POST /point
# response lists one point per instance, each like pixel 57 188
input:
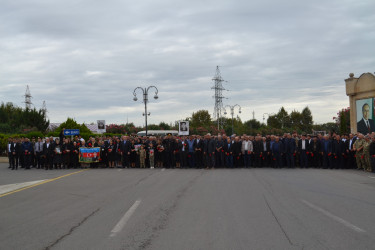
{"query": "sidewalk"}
pixel 4 160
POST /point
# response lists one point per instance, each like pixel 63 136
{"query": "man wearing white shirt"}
pixel 247 150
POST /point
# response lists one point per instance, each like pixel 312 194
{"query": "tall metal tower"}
pixel 28 97
pixel 218 87
pixel 44 108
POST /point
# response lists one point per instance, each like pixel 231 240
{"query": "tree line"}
pixel 17 122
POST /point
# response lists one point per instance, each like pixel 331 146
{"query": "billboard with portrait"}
pixel 101 126
pixel 365 115
pixel 183 128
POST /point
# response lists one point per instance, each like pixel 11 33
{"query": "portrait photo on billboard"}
pixel 101 126
pixel 183 128
pixel 365 115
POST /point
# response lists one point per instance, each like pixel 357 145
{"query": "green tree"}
pixel 280 120
pixel 307 120
pixel 14 119
pixel 201 118
pixel 343 121
pixel 164 126
pixel 296 122
pixel 252 124
pixel 153 127
pixel 70 123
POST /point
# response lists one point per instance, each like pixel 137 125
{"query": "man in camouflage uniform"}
pixel 358 147
pixel 366 152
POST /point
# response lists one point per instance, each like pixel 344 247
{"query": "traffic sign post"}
pixel 71 132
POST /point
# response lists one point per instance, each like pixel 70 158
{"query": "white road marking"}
pixel 119 170
pixel 371 177
pixel 11 187
pixel 334 217
pixel 163 169
pixel 120 225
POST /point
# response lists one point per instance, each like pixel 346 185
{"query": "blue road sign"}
pixel 71 132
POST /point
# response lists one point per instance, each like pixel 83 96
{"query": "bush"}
pixel 35 134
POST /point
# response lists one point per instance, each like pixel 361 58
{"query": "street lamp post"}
pixel 145 99
pixel 232 111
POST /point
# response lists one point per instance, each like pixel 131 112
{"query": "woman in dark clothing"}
pixel 57 159
pixel 117 147
pixel 111 154
pixel 74 154
pixel 159 156
pixel 133 154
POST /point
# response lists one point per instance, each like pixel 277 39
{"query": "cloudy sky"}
pixel 85 58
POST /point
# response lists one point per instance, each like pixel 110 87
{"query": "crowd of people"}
pixel 289 150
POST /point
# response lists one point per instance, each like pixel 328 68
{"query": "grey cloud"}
pixel 82 57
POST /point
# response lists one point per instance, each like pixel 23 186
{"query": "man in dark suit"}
pixel 338 149
pixel 27 150
pixel 366 125
pixel 219 144
pixel 303 149
pixel 351 163
pixel 290 150
pixel 183 151
pixel 169 145
pixel 266 154
pixel 236 152
pixel 209 151
pixel 125 150
pixel 228 150
pixel 198 146
pixel 258 150
pixel 9 151
pixel 48 154
pixel 315 150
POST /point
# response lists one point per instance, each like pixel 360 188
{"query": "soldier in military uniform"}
pixel 372 154
pixel 366 153
pixel 358 147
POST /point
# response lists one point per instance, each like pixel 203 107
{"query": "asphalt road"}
pixel 188 209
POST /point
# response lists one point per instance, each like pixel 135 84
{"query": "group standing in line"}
pixel 289 150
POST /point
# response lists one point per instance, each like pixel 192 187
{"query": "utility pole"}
pixel 44 109
pixel 28 97
pixel 218 87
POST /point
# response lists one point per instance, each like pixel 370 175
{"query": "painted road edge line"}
pixel 15 186
pixel 41 183
pixel 334 217
pixel 120 225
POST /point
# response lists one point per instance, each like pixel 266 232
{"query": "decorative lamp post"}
pixel 145 99
pixel 232 111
